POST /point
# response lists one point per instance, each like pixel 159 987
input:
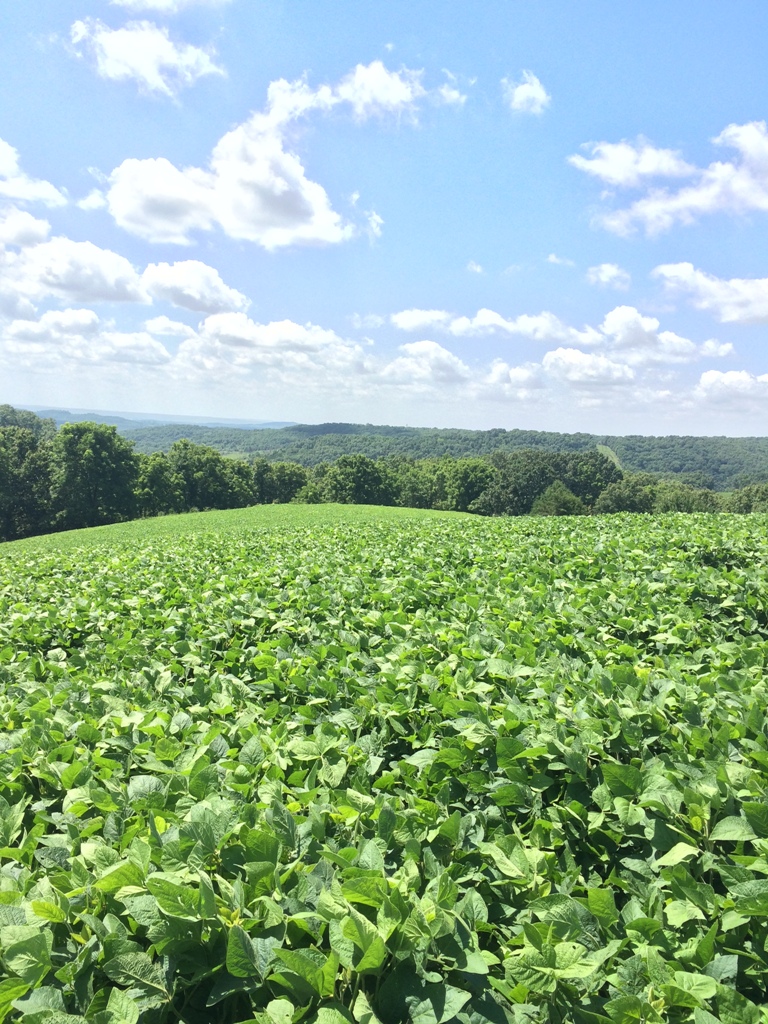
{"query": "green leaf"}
pixel 602 905
pixel 679 853
pixel 175 900
pixel 241 956
pixel 137 970
pixel 751 898
pixel 30 957
pixel 121 1008
pixel 733 829
pixel 622 779
pixel 10 990
pixel 120 876
pixel 757 816
pixel 734 1008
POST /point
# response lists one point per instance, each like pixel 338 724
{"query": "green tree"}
pixel 287 479
pixel 673 497
pixel 753 498
pixel 356 480
pixel 159 489
pixel 41 428
pixel 207 479
pixel 94 473
pixel 25 483
pixel 635 493
pixel 558 500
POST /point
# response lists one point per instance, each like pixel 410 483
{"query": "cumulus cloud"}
pixel 19 228
pixel 628 164
pixel 165 327
pixel 232 343
pixel 192 285
pixel 738 300
pixel 609 275
pixel 18 186
pixel 371 89
pixel 78 335
pixel 560 261
pixel 425 363
pixel 144 53
pixel 254 188
pixel 73 271
pixel 166 6
pixel 518 383
pixel 526 96
pixel 95 200
pixel 419 319
pixel 575 366
pixel 735 186
pixel 545 327
pixel 736 388
pixel 475 268
pixel 83 272
pixel 623 329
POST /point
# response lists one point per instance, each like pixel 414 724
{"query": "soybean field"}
pixel 333 765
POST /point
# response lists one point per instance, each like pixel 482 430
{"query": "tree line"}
pixel 87 474
pixel 718 463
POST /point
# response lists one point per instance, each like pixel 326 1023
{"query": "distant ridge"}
pixel 138 421
pixel 718 462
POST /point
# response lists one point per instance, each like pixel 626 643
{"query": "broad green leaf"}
pixel 679 853
pixel 174 899
pixel 241 956
pixel 733 829
pixel 137 970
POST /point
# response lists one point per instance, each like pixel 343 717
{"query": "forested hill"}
pixel 718 462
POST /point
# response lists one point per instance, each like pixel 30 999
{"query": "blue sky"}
pixel 512 214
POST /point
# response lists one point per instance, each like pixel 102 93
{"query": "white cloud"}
pixel 254 188
pixel 192 285
pixel 735 388
pixel 18 186
pixel 739 300
pixel 168 328
pixel 628 164
pixel 95 200
pixel 639 341
pixel 375 224
pixel 517 383
pixel 144 53
pixel 77 335
pixel 591 368
pixel 166 6
pixel 735 186
pixel 451 96
pixel 475 268
pixel 560 261
pixel 369 321
pixel 73 271
pixel 372 89
pixel 609 275
pixel 528 96
pixel 425 363
pixel 716 349
pixel 232 343
pixel 624 330
pixel 17 227
pixel 419 319
pixel 544 327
